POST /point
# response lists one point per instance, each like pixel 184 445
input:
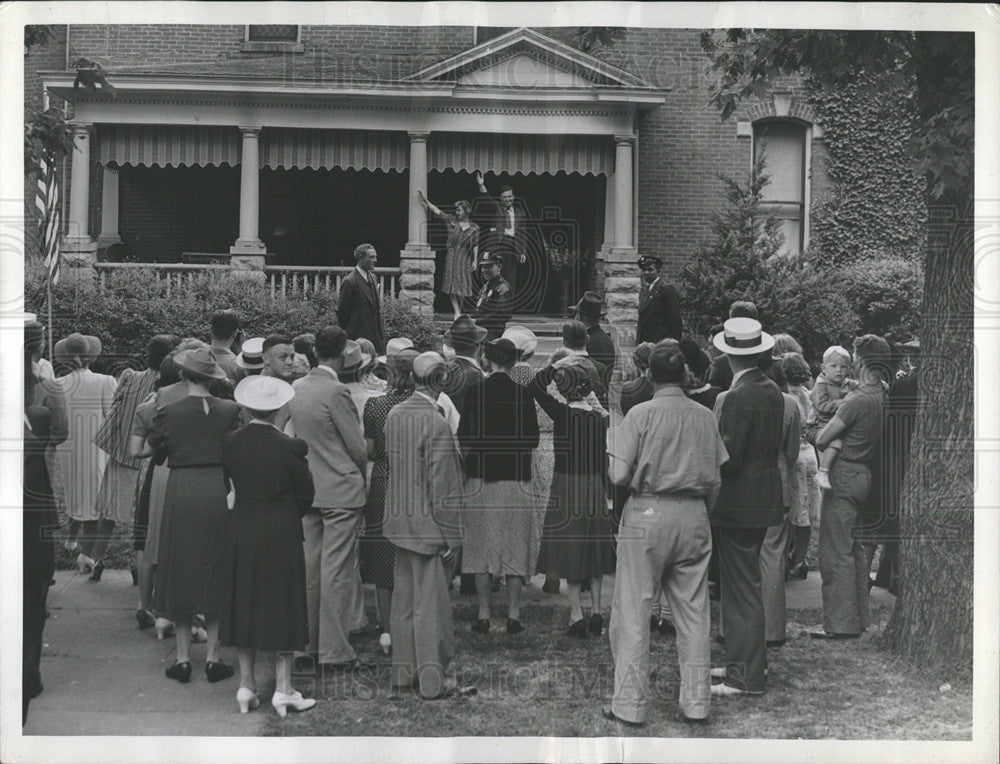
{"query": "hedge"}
pixel 133 307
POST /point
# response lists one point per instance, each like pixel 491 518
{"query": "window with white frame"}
pixel 785 143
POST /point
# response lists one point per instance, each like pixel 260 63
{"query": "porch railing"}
pixel 281 280
pixel 292 279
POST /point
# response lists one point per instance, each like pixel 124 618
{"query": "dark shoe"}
pixel 482 626
pixel 514 626
pixel 180 671
pixel 578 628
pixel 871 581
pixel 596 624
pixel 821 634
pixel 304 665
pixel 693 720
pixel 608 714
pixel 350 667
pixel 551 585
pixel 135 576
pixel 800 571
pixel 216 671
pixel 666 628
pixel 95 574
pixel 775 642
pixel 145 619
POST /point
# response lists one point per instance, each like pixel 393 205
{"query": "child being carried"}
pixel 828 393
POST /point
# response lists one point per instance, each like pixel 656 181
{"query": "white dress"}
pixel 82 464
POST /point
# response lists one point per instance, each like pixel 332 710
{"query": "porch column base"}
pixel 77 256
pixel 248 247
pixel 416 279
pixel 248 266
pixel 103 242
pixel 621 294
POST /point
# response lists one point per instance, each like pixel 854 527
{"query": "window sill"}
pixel 256 46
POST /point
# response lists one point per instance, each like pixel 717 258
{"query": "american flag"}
pixel 47 201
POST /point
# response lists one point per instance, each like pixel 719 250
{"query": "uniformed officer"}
pixel 493 308
pixel 659 305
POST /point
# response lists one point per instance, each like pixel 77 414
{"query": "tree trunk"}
pixel 932 622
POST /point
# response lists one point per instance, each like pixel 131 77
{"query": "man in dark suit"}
pixel 721 375
pixel 659 305
pixel 508 227
pixel 600 346
pixel 750 501
pixel 494 306
pixel 359 309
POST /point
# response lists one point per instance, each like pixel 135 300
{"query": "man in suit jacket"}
pixel 359 304
pixel 423 520
pixel 659 305
pixel 600 347
pixel 324 416
pixel 750 501
pixel 507 228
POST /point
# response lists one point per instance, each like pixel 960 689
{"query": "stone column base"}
pixel 77 256
pixel 248 266
pixel 103 242
pixel 416 279
pixel 621 294
pixel 248 247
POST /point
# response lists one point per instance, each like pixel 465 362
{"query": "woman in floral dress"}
pixel 463 248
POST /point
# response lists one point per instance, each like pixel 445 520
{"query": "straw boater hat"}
pixel 263 393
pixel 251 354
pixel 352 358
pixel 394 347
pixel 200 361
pixel 743 336
pixel 523 338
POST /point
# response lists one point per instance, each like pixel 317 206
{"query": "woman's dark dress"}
pixel 378 555
pixel 260 581
pixel 576 537
pixel 194 508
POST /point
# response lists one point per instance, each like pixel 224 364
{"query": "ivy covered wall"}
pixel 875 206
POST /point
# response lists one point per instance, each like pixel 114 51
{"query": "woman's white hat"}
pixel 263 393
pixel 743 336
pixel 523 338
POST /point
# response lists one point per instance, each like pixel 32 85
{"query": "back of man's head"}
pixel 667 365
pixel 574 335
pixel 225 324
pixel 330 343
pixel 743 309
pixel 875 354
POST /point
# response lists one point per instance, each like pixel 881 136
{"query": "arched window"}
pixel 785 143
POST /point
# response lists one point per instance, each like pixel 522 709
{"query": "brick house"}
pixel 298 142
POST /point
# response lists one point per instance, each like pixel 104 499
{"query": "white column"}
pixel 417 231
pixel 109 209
pixel 623 190
pixel 79 192
pixel 249 242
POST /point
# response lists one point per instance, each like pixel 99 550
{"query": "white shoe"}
pixel 385 641
pixel 164 628
pixel 283 701
pixel 198 634
pixel 84 564
pixel 247 699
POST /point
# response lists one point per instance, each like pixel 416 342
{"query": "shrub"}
pixel 887 294
pixel 133 307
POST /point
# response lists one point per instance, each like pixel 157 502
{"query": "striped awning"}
pixel 327 149
pixel 186 145
pixel 524 154
pixel 167 145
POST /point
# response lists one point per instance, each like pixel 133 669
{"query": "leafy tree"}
pixel 932 622
pixel 589 39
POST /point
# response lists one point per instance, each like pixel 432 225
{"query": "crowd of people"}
pixel 269 480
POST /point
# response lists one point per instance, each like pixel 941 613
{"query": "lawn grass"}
pixel 544 683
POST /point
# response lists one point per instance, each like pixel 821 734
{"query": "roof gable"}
pixel 524 58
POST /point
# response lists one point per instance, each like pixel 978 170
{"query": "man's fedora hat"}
pixel 251 354
pixel 743 336
pixel 394 347
pixel 465 330
pixel 591 305
pixel 352 358
pixel 263 393
pixel 200 361
pixel 501 351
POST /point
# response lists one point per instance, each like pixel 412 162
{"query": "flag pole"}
pixel 48 300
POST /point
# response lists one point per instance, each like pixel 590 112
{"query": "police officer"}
pixel 659 305
pixel 494 306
